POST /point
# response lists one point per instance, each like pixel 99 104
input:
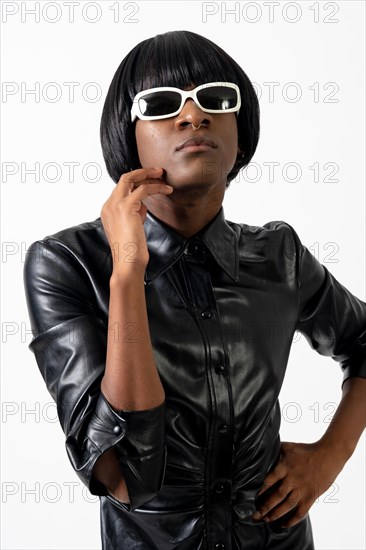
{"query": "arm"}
pixel 131 380
pixel 348 422
pixel 305 471
pixel 120 454
pixel 70 348
pixel 333 321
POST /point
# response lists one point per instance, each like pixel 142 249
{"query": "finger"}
pixel 294 516
pixel 124 192
pixel 144 190
pixel 137 176
pixel 279 472
pixel 281 509
pixel 274 499
pixel 149 181
pixel 141 173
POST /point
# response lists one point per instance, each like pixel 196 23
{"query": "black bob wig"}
pixel 175 58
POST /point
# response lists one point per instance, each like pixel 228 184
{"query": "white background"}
pixel 314 46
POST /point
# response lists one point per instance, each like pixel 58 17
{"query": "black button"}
pixel 117 430
pixel 219 546
pixel 206 314
pixel 194 249
pixel 219 488
pixel 223 429
pixel 220 369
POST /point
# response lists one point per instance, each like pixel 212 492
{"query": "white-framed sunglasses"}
pixel 166 101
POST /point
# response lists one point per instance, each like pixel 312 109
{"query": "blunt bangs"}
pixel 180 63
pixel 179 59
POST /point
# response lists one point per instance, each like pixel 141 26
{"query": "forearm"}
pixel 131 380
pixel 349 420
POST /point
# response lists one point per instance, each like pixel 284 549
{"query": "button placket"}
pixel 218 489
pixel 221 462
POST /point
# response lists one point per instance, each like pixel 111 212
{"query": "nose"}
pixel 192 114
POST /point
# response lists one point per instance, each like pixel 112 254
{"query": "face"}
pixel 159 144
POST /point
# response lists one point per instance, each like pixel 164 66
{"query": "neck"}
pixel 186 218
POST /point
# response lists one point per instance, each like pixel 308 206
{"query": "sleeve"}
pixel 69 343
pixel 331 318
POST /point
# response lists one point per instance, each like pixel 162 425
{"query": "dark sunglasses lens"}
pixel 159 103
pixel 218 97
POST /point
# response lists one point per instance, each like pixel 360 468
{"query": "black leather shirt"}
pixel 223 307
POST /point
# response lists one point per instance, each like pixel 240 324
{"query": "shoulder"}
pixel 68 249
pixel 61 273
pixel 78 241
pixel 76 237
pixel 277 226
pixel 270 250
pixel 276 233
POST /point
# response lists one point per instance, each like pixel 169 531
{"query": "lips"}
pixel 195 141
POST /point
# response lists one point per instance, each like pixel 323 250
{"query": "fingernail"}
pixel 256 515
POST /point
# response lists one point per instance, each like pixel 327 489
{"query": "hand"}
pixel 302 473
pixel 124 214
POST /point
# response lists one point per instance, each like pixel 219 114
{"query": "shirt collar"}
pixel 166 246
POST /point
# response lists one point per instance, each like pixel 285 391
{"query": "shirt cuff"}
pixel 105 429
pixel 139 440
pixel 142 453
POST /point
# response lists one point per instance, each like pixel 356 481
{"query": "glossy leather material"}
pixel 223 307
